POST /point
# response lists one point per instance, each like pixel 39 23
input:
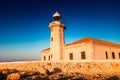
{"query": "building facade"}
pixel 83 49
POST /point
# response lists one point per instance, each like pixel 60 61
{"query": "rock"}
pixel 3 76
pixel 44 71
pixel 4 72
pixel 33 77
pixel 13 76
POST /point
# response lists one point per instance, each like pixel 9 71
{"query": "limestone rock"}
pixel 44 71
pixel 13 76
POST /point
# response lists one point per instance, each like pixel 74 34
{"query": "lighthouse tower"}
pixel 56 37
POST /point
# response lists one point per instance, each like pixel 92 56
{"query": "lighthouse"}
pixel 56 37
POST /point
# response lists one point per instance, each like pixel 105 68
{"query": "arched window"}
pixel 106 55
pixel 83 56
pixel 71 56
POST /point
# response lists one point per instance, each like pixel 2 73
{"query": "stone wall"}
pixel 45 54
pixel 101 50
pixel 77 49
pixel 83 66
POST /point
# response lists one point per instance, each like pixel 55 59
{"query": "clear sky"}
pixel 24 24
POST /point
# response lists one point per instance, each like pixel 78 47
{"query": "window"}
pixel 51 55
pixel 51 38
pixel 113 55
pixel 119 55
pixel 49 58
pixel 83 55
pixel 44 58
pixel 71 56
pixel 106 55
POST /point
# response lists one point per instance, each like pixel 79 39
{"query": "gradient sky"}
pixel 24 24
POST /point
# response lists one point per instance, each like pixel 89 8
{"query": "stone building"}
pixel 83 49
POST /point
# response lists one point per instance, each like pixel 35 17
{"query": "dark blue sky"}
pixel 24 24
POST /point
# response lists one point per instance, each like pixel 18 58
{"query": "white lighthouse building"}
pixel 57 37
pixel 83 49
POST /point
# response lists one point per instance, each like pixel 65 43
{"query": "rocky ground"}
pixel 57 74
